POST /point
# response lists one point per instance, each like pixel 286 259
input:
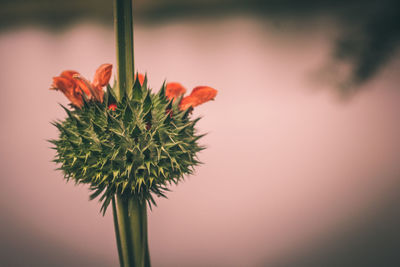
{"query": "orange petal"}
pixel 62 84
pixel 99 94
pixel 199 95
pixel 174 90
pixel 69 74
pixel 141 78
pixel 102 75
pixel 187 102
pixel 67 86
pixel 70 87
pixel 203 94
pixel 83 86
pixel 76 99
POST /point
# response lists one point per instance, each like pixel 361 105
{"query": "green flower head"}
pixel 134 146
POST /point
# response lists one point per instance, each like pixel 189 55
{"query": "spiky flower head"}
pixel 134 146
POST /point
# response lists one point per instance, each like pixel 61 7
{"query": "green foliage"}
pixel 136 151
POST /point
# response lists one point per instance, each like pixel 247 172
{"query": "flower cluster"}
pixel 75 87
pixel 134 145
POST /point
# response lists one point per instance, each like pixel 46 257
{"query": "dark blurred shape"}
pixel 52 15
pixel 371 36
pixel 371 29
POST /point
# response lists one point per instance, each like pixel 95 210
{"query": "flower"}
pixel 123 146
pixel 70 88
pixel 112 107
pixel 141 78
pixel 102 75
pixel 174 90
pixel 74 86
pixel 199 95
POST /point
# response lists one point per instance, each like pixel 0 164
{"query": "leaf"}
pixel 69 113
pixel 161 93
pixel 144 85
pixel 136 132
pixel 128 114
pixel 96 193
pixel 148 117
pixel 124 184
pixel 112 122
pixel 105 205
pixel 137 90
pixel 111 97
pixel 147 103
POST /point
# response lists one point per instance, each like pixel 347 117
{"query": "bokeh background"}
pixel 302 166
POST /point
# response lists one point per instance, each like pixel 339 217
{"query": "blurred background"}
pixel 302 166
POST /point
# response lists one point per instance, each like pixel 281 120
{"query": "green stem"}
pixel 123 23
pixel 130 215
pixel 117 234
pixel 130 221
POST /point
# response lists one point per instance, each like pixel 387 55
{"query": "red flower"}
pixel 174 90
pixel 73 85
pixel 141 78
pixel 112 107
pixel 199 95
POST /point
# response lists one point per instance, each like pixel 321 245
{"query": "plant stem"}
pixel 130 215
pixel 123 23
pixel 130 221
